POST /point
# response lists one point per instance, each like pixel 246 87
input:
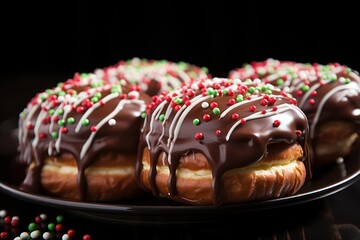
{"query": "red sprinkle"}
pixel 252 108
pixel 199 136
pixel 311 101
pixel 298 132
pixel 235 116
pixel 213 104
pixel 276 123
pixel 206 117
pixel 93 128
pixel 86 237
pixel 218 132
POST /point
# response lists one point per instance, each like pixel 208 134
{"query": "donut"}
pixel 328 94
pixel 223 141
pixel 79 139
pixel 152 75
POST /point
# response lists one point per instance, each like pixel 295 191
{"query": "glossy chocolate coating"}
pixel 84 116
pixel 229 121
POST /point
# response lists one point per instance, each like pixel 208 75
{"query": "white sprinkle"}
pixel 65 237
pixel 35 234
pixel 256 81
pixel 205 105
pixel 60 99
pixel 194 86
pixel 3 213
pixel 46 235
pixel 112 122
pixel 342 80
pixel 24 235
pixel 43 216
pixel 18 238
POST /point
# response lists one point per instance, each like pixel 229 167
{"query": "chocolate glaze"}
pixel 107 118
pixel 231 134
pixel 324 92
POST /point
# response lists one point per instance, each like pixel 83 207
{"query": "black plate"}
pixel 148 210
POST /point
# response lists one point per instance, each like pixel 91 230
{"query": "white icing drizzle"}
pixel 92 108
pixel 118 108
pixel 239 104
pixel 349 86
pixel 281 108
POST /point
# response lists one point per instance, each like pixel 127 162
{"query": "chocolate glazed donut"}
pixel 80 139
pixel 220 141
pixel 328 94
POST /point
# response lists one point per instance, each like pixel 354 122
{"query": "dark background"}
pixel 42 44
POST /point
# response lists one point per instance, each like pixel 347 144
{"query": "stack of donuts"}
pixel 172 130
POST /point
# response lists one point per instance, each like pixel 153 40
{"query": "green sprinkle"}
pixel 98 95
pixel 85 122
pixel 94 99
pixel 251 90
pixel 347 80
pixel 280 82
pixel 247 94
pixel 32 226
pixel 268 91
pixel 240 98
pixel 143 115
pixel 71 120
pixel 225 92
pixel 116 89
pixel 60 112
pixel 347 70
pixel 196 122
pixel 51 226
pixel 61 93
pixel 44 96
pixel 55 134
pixel 61 122
pixel 305 88
pixel 178 100
pixel 216 111
pixel 162 117
pixel 51 111
pixel 209 91
pixel 59 218
pixel 49 91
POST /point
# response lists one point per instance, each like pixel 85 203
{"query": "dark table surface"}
pixel 335 215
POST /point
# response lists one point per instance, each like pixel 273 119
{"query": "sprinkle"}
pixel 239 98
pixel 199 136
pixel 311 101
pixel 298 133
pixel 276 123
pixel 216 111
pixel 206 117
pixel 71 232
pixel 65 237
pixel 4 235
pixel 196 122
pixel 47 235
pixel 162 117
pixel 32 226
pixel 24 235
pixel 15 221
pixel 85 122
pixel 263 111
pixel 58 227
pixel 112 122
pixel 35 234
pixel 143 115
pixel 252 108
pixel 93 128
pixel 42 135
pixel 55 134
pixel 235 116
pixel 3 213
pixel 218 132
pixel 213 105
pixel 86 237
pixel 51 226
pixel 205 105
pixel 71 120
pixel 231 101
pixel 59 218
